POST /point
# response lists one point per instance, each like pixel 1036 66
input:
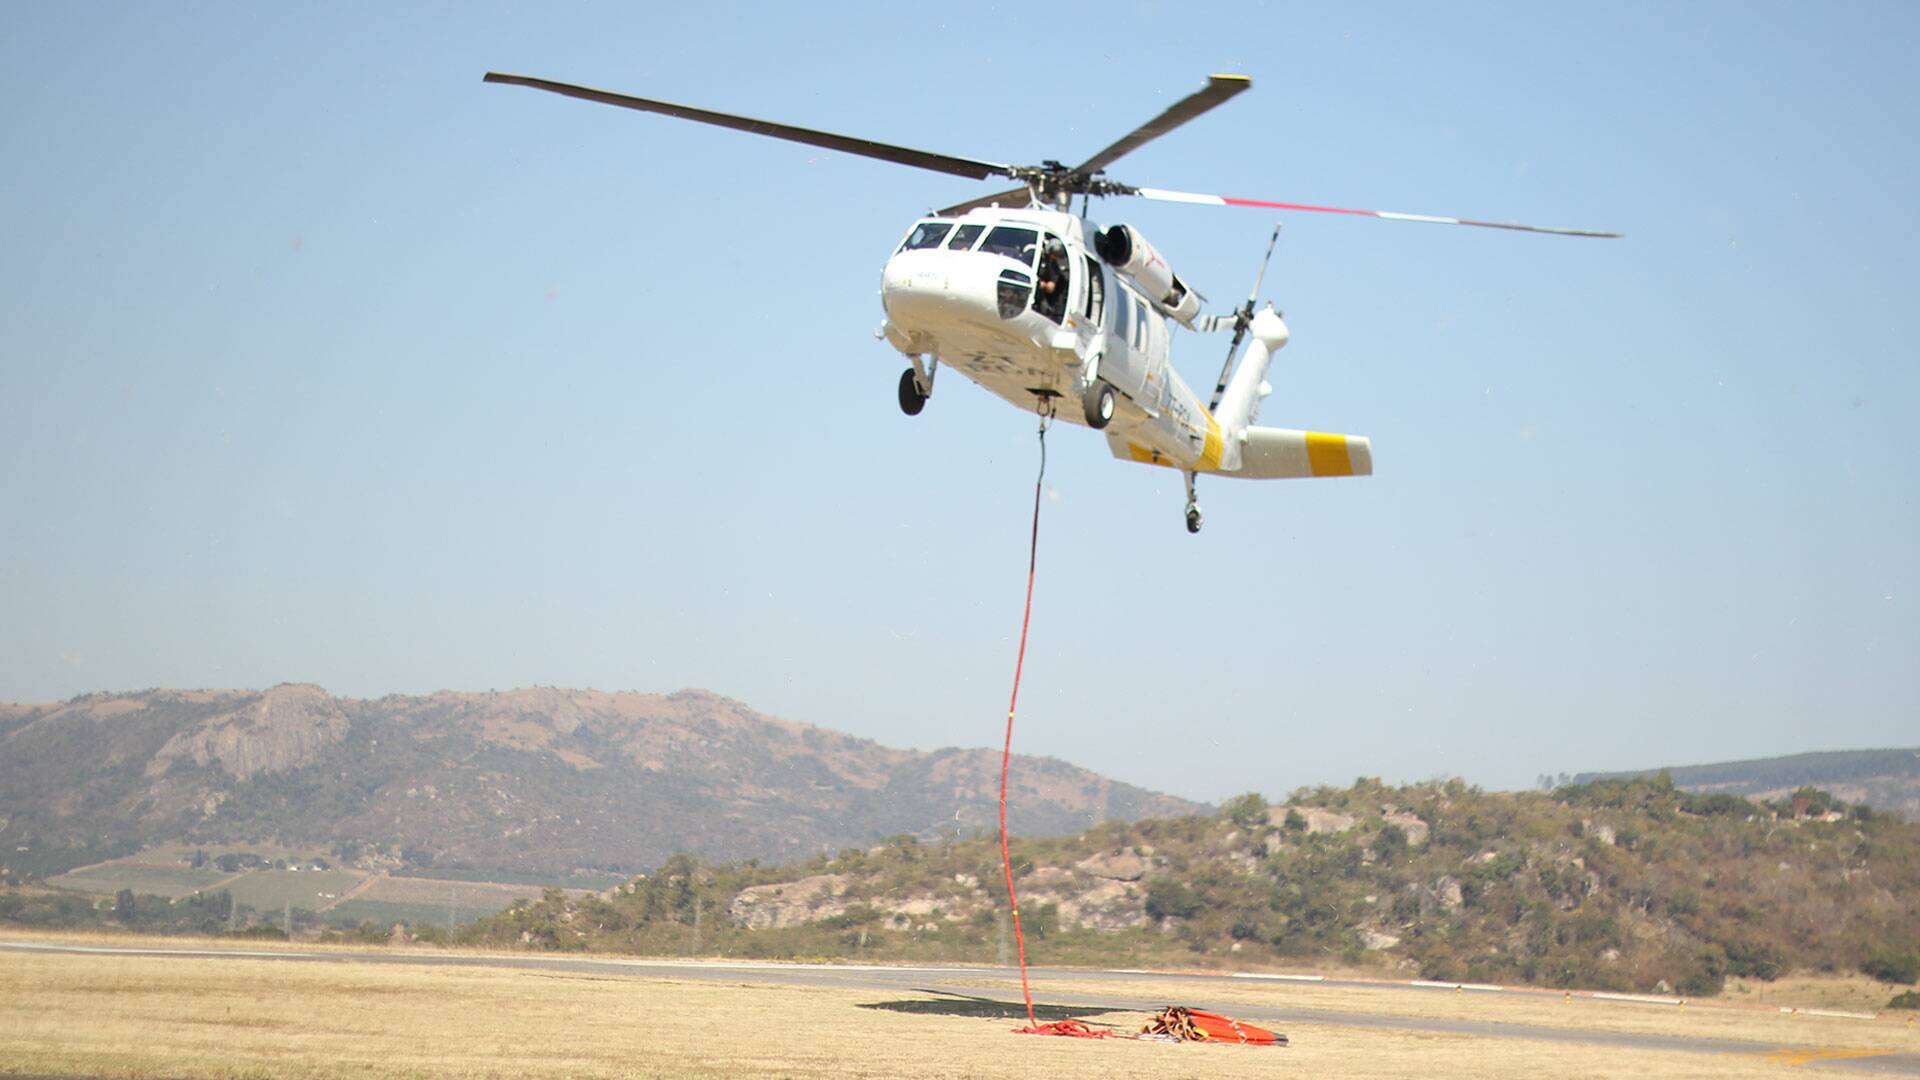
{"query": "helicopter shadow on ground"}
pixel 946 1003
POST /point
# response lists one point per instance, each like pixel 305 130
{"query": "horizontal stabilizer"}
pixel 1279 453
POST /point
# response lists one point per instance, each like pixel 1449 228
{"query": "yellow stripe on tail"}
pixel 1279 453
pixel 1327 455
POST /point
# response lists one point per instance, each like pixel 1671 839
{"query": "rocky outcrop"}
pixel 773 907
pixel 1412 827
pixel 1102 892
pixel 1116 866
pixel 1106 905
pixel 1375 940
pixel 1318 819
pixel 285 728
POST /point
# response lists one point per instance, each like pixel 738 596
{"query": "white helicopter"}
pixel 1037 304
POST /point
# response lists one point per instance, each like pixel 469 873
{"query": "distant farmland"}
pixel 168 881
pixel 491 896
pixel 419 901
pixel 382 899
pixel 270 890
pixel 381 913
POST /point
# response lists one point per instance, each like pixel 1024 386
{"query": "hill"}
pixel 1619 884
pixel 1883 779
pixel 540 781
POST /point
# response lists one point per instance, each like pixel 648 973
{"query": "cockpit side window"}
pixel 964 236
pixel 926 234
pixel 1053 284
pixel 1015 243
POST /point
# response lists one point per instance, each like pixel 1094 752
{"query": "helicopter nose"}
pixel 928 288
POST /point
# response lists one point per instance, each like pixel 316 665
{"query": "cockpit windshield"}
pixel 964 236
pixel 926 234
pixel 1015 243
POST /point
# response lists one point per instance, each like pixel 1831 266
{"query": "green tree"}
pixel 1248 811
pixel 1168 898
pixel 1893 967
pixel 1390 844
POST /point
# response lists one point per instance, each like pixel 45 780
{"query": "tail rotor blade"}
pixel 1242 319
pixel 1389 215
pixel 1254 296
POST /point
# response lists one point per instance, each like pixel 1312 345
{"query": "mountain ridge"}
pixel 538 778
pixel 1887 779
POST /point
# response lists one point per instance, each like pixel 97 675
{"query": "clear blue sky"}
pixel 322 361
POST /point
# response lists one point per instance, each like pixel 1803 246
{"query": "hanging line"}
pixel 1006 750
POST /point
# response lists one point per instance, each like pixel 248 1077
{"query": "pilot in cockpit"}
pixel 1051 284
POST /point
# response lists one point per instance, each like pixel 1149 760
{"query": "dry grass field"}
pixel 218 1018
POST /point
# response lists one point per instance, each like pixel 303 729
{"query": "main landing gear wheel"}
pixel 1193 519
pixel 911 399
pixel 1098 404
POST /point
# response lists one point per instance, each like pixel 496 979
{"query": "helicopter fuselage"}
pixel 1019 302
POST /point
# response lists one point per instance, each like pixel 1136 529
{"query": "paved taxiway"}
pixel 1184 989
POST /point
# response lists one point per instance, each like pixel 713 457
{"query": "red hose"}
pixel 1006 750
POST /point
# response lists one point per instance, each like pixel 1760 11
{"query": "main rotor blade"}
pixel 1016 199
pixel 1222 200
pixel 1218 89
pixel 899 155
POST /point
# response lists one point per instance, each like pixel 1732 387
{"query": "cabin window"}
pixel 1096 301
pixel 926 234
pixel 1122 316
pixel 964 236
pixel 1014 243
pixel 1012 292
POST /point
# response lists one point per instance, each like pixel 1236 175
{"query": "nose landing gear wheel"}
pixel 911 399
pixel 1098 404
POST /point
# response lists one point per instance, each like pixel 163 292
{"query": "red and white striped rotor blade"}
pixel 1431 219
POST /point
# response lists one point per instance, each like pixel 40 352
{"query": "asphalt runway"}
pixel 1181 989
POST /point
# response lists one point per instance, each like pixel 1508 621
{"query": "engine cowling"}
pixel 1128 252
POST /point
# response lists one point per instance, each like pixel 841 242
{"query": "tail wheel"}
pixel 1098 404
pixel 911 399
pixel 1193 519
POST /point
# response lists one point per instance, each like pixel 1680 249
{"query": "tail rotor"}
pixel 1243 318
